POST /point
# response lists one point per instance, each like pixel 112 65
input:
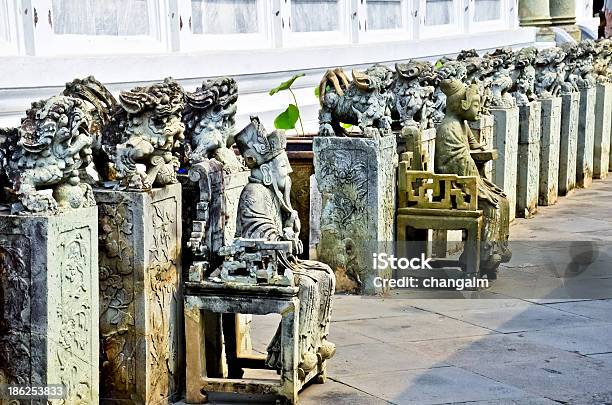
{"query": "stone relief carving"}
pixel 116 267
pixel 209 121
pixel 365 102
pixel 47 151
pixel 550 72
pixel 265 212
pixel 454 141
pixel 413 89
pixel 524 76
pixel 152 134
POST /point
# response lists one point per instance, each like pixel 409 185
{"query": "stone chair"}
pixel 440 202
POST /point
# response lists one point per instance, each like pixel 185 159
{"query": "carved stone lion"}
pixel 450 69
pixel 524 76
pixel 209 120
pixel 153 131
pixel 413 93
pixel 579 62
pixel 550 72
pixel 52 145
pixel 364 102
pixel 502 63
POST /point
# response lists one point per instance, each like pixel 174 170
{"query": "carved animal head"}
pixel 376 77
pixel 525 57
pixel 467 53
pixel 211 106
pixel 52 124
pixel 452 69
pixel 154 113
pixel 414 70
pixel 550 56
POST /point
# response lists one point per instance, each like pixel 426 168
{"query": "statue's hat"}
pixel 257 146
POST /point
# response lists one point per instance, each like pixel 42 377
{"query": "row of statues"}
pixel 380 98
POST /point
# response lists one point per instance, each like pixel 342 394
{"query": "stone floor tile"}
pixel 579 339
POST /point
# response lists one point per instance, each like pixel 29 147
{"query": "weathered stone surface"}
pixel 505 140
pixel 140 296
pixel 586 134
pixel 528 174
pixel 603 123
pixel 356 179
pixel 48 302
pixel 484 131
pixel 549 150
pixel 568 148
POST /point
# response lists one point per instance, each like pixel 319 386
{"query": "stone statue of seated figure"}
pixel 454 141
pixel 265 212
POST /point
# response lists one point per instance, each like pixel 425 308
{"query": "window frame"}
pixel 12 46
pixel 441 30
pixel 404 33
pixel 262 39
pixel 317 38
pixel 489 25
pixel 47 42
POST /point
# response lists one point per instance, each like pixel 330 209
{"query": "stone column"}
pixel 568 148
pixel 356 178
pixel 49 302
pixel 528 173
pixel 603 122
pixel 505 140
pixel 483 129
pixel 586 135
pixel 549 150
pixel 536 13
pixel 563 15
pixel 140 295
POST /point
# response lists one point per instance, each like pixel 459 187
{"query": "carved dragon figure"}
pixel 47 152
pixel 153 131
pixel 579 66
pixel 603 58
pixel 413 93
pixel 550 72
pixel 209 120
pixel 524 76
pixel 364 102
pixel 450 69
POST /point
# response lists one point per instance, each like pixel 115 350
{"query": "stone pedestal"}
pixel 603 123
pixel 48 302
pixel 549 150
pixel 563 15
pixel 586 135
pixel 505 140
pixel 140 295
pixel 528 173
pixel 568 147
pixel 356 178
pixel 484 129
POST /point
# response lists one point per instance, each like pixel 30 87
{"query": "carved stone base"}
pixel 528 179
pixel 356 179
pixel 505 140
pixel 549 150
pixel 570 110
pixel 603 123
pixel 140 296
pixel 484 131
pixel 48 302
pixel 586 135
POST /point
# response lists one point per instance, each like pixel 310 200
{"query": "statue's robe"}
pixel 260 215
pixel 454 140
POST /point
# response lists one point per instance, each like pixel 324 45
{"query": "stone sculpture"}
pixel 265 212
pixel 413 91
pixel 602 69
pixel 364 102
pixel 579 66
pixel 550 72
pixel 152 132
pixel 450 69
pixel 47 151
pixel 209 119
pixel 524 76
pixel 454 142
pixel 502 64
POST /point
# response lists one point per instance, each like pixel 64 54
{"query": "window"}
pixel 101 26
pixel 489 15
pixel 384 14
pixel 8 37
pixel 487 10
pixel 101 17
pixel 441 18
pixel 316 22
pixel 228 24
pixel 440 12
